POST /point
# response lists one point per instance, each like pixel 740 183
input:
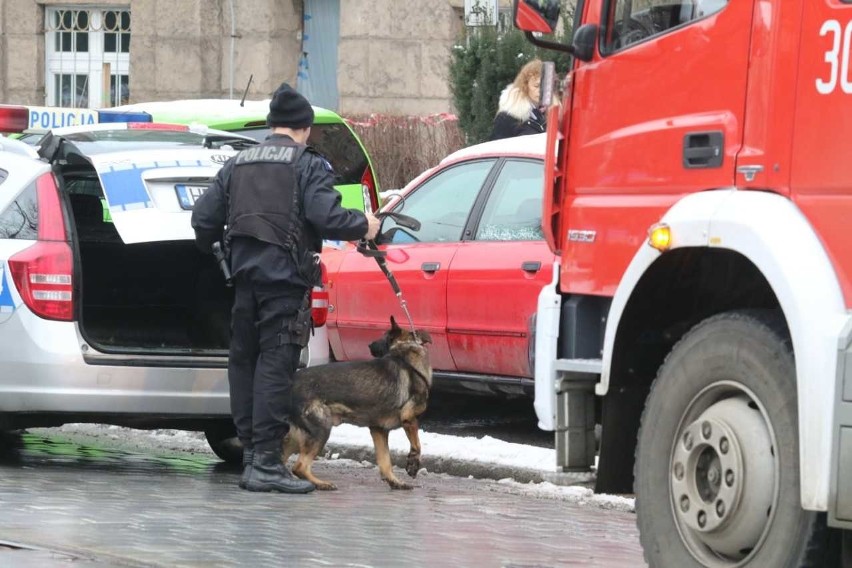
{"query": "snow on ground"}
pixel 484 450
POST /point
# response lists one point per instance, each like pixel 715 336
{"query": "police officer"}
pixel 278 202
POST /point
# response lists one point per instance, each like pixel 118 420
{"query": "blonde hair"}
pixel 515 100
pixel 528 71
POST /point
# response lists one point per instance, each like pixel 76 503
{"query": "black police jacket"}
pixel 321 217
pixel 264 201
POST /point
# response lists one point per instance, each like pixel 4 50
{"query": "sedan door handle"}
pixel 430 266
pixel 531 266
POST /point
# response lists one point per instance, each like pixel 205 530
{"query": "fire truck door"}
pixel 657 113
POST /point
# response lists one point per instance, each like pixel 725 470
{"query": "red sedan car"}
pixel 470 276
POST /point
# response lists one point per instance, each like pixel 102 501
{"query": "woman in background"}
pixel 518 112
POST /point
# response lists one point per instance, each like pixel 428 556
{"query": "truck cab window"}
pixel 633 21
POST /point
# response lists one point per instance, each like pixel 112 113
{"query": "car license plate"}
pixel 188 194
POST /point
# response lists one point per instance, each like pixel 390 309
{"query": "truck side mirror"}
pixel 583 45
pixel 536 15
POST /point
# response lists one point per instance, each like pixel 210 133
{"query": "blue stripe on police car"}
pixel 124 187
pixel 6 302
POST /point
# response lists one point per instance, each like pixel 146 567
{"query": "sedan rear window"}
pixel 334 141
pixel 337 143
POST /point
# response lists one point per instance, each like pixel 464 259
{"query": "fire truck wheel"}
pixel 717 461
pixel 222 439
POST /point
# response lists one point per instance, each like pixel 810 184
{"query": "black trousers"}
pixel 261 380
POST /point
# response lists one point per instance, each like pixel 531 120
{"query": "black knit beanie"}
pixel 289 109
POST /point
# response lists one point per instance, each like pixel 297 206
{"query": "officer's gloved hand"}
pixel 372 226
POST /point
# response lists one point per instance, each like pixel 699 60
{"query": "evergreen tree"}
pixel 484 62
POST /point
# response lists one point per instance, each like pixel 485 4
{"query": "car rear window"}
pixel 20 219
pixel 97 142
pixel 334 141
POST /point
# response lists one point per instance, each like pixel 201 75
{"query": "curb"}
pixel 466 468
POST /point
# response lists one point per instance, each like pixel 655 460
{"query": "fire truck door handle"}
pixel 430 266
pixel 702 149
pixel 531 266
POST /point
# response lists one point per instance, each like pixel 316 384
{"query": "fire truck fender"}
pixel 771 232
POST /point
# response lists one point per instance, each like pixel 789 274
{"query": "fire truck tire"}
pixel 717 461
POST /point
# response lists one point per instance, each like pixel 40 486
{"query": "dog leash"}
pixel 370 248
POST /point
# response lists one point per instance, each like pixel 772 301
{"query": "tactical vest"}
pixel 264 198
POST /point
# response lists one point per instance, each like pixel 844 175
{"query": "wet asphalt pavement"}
pixel 64 503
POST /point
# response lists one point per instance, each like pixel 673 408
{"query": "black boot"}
pixel 267 473
pixel 248 457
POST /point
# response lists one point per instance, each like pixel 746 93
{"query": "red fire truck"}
pixel 698 194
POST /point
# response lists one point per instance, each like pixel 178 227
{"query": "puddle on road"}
pixel 34 450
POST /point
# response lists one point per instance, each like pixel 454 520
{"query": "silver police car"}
pixel 108 312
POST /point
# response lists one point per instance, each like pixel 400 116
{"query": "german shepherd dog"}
pixel 384 393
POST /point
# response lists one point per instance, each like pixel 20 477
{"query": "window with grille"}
pixel 88 56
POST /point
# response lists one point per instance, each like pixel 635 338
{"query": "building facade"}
pixel 355 56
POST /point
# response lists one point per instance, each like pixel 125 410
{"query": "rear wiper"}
pixel 216 142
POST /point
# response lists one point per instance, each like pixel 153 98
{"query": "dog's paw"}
pixel 326 486
pixel 412 467
pixel 400 485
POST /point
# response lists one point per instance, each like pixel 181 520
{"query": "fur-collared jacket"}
pixel 516 115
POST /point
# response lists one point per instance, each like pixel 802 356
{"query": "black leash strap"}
pixel 370 249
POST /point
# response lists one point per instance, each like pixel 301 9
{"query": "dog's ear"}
pixel 424 336
pixel 394 326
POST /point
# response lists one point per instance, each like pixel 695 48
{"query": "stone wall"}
pixel 183 49
pixel 393 55
pixel 22 52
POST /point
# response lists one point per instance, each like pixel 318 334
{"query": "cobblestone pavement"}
pixel 91 506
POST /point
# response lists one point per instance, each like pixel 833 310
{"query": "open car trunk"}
pixel 157 297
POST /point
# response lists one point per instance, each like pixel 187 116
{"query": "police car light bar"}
pixel 14 118
pixel 157 126
pixel 20 118
pixel 118 116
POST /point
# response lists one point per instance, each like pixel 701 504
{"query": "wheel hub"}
pixel 699 462
pixel 723 477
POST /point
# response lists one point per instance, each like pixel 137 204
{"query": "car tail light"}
pixel 319 300
pixel 368 190
pixel 43 273
pixel 319 306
